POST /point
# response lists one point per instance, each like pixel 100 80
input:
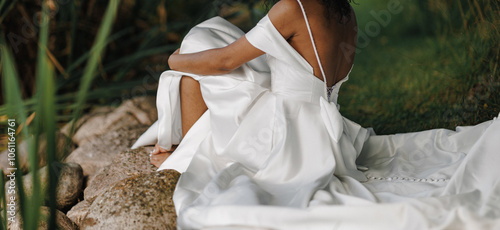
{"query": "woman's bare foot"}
pixel 159 155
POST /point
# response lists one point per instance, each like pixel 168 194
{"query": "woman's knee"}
pixel 190 90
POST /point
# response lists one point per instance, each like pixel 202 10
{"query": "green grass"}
pixel 409 78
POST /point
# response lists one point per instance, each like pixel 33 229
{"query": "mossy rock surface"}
pixel 125 164
pixel 142 201
pixel 100 152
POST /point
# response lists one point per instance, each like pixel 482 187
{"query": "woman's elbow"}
pixel 225 65
pixel 172 62
pixel 219 71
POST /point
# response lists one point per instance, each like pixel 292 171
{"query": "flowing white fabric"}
pixel 272 153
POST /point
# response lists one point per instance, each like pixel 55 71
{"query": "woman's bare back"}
pixel 334 40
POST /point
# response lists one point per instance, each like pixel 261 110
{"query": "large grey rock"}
pixel 125 164
pixel 142 201
pixel 62 146
pixel 100 152
pixel 69 186
pixel 62 221
pixel 78 213
pixel 135 111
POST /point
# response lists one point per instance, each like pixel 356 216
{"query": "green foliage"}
pixel 435 65
pixel 45 121
pixel 14 109
pixel 95 53
pixel 137 47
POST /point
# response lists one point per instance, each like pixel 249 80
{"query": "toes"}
pixel 158 150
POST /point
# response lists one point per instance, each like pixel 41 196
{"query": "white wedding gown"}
pixel 272 153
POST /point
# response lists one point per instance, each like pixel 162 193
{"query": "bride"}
pixel 335 30
pixel 260 142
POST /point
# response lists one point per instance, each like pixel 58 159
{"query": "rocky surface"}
pixel 142 201
pixel 125 164
pixel 106 132
pixel 78 213
pixel 124 190
pixel 63 222
pixel 99 152
pixel 136 111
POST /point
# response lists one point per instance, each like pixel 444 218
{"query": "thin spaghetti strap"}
pixel 314 47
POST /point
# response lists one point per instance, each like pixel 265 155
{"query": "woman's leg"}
pixel 192 103
pixel 192 107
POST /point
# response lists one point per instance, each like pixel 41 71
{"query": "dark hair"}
pixel 339 8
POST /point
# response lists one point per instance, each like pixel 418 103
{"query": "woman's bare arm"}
pixel 215 61
pixel 226 59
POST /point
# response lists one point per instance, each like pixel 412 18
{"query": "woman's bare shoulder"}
pixel 284 14
pixel 285 5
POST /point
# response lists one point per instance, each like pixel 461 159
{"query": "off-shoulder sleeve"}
pixel 260 36
pixel 265 37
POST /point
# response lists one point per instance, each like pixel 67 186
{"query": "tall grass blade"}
pixel 46 124
pixel 85 56
pixel 2 3
pixel 48 117
pixel 5 11
pixel 3 219
pixel 15 108
pixel 93 61
pixel 31 211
